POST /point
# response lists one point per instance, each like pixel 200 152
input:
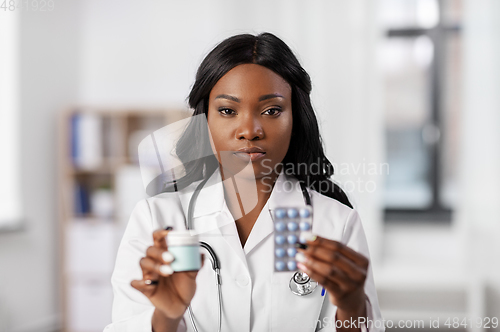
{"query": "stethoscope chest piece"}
pixel 301 284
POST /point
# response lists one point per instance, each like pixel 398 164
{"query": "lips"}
pixel 252 153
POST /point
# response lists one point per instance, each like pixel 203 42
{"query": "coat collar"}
pixel 210 199
pixel 286 192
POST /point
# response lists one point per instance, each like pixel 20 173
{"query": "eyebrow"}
pixel 228 97
pixel 261 98
pixel 271 96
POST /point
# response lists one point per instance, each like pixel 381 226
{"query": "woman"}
pixel 255 96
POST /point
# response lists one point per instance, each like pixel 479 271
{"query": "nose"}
pixel 250 128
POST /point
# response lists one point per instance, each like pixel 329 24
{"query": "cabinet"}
pixel 99 183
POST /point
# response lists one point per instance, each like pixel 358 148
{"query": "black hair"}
pixel 305 147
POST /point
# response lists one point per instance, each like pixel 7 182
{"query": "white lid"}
pixel 182 238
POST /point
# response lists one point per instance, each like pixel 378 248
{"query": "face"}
pixel 250 120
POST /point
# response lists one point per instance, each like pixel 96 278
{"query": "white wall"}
pixel 479 210
pixel 10 194
pixel 49 82
pixel 462 257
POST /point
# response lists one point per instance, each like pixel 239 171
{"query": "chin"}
pixel 251 170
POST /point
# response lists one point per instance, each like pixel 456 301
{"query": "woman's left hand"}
pixel 340 270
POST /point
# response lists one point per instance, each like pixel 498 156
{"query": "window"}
pixel 10 196
pixel 421 66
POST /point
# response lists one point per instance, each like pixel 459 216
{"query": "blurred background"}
pixel 408 97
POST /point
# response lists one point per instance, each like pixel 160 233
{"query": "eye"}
pixel 226 111
pixel 273 111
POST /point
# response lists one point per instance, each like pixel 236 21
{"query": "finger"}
pixel 356 257
pixel 336 258
pixel 160 255
pixel 150 275
pixel 327 273
pixel 159 238
pixel 150 266
pixel 143 286
pixel 329 284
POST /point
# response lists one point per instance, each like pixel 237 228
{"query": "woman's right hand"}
pixel 174 291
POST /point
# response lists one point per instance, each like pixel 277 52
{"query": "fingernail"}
pixel 307 236
pixel 166 270
pixel 302 267
pixel 300 245
pixel 300 257
pixel 167 257
pixel 169 228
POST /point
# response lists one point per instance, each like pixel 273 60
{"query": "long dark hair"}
pixel 305 151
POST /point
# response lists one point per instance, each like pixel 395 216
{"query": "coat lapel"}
pixel 286 193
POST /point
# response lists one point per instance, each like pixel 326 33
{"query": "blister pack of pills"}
pixel 289 222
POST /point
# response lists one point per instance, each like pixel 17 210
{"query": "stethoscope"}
pixel 300 284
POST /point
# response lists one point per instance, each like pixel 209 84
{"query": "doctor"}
pixel 255 96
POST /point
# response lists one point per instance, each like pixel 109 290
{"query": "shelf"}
pixel 96 200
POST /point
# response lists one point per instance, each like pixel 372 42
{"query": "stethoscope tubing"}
pixel 215 266
pixel 213 256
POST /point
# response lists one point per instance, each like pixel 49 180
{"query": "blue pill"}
pixel 292 226
pixel 280 239
pixel 305 226
pixel 280 252
pixel 280 226
pixel 280 266
pixel 292 265
pixel 291 252
pixel 302 239
pixel 305 213
pixel 280 213
pixel 292 213
pixel 292 239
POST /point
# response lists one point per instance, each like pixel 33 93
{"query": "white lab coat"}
pixel 254 297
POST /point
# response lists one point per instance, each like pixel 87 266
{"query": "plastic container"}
pixel 186 251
